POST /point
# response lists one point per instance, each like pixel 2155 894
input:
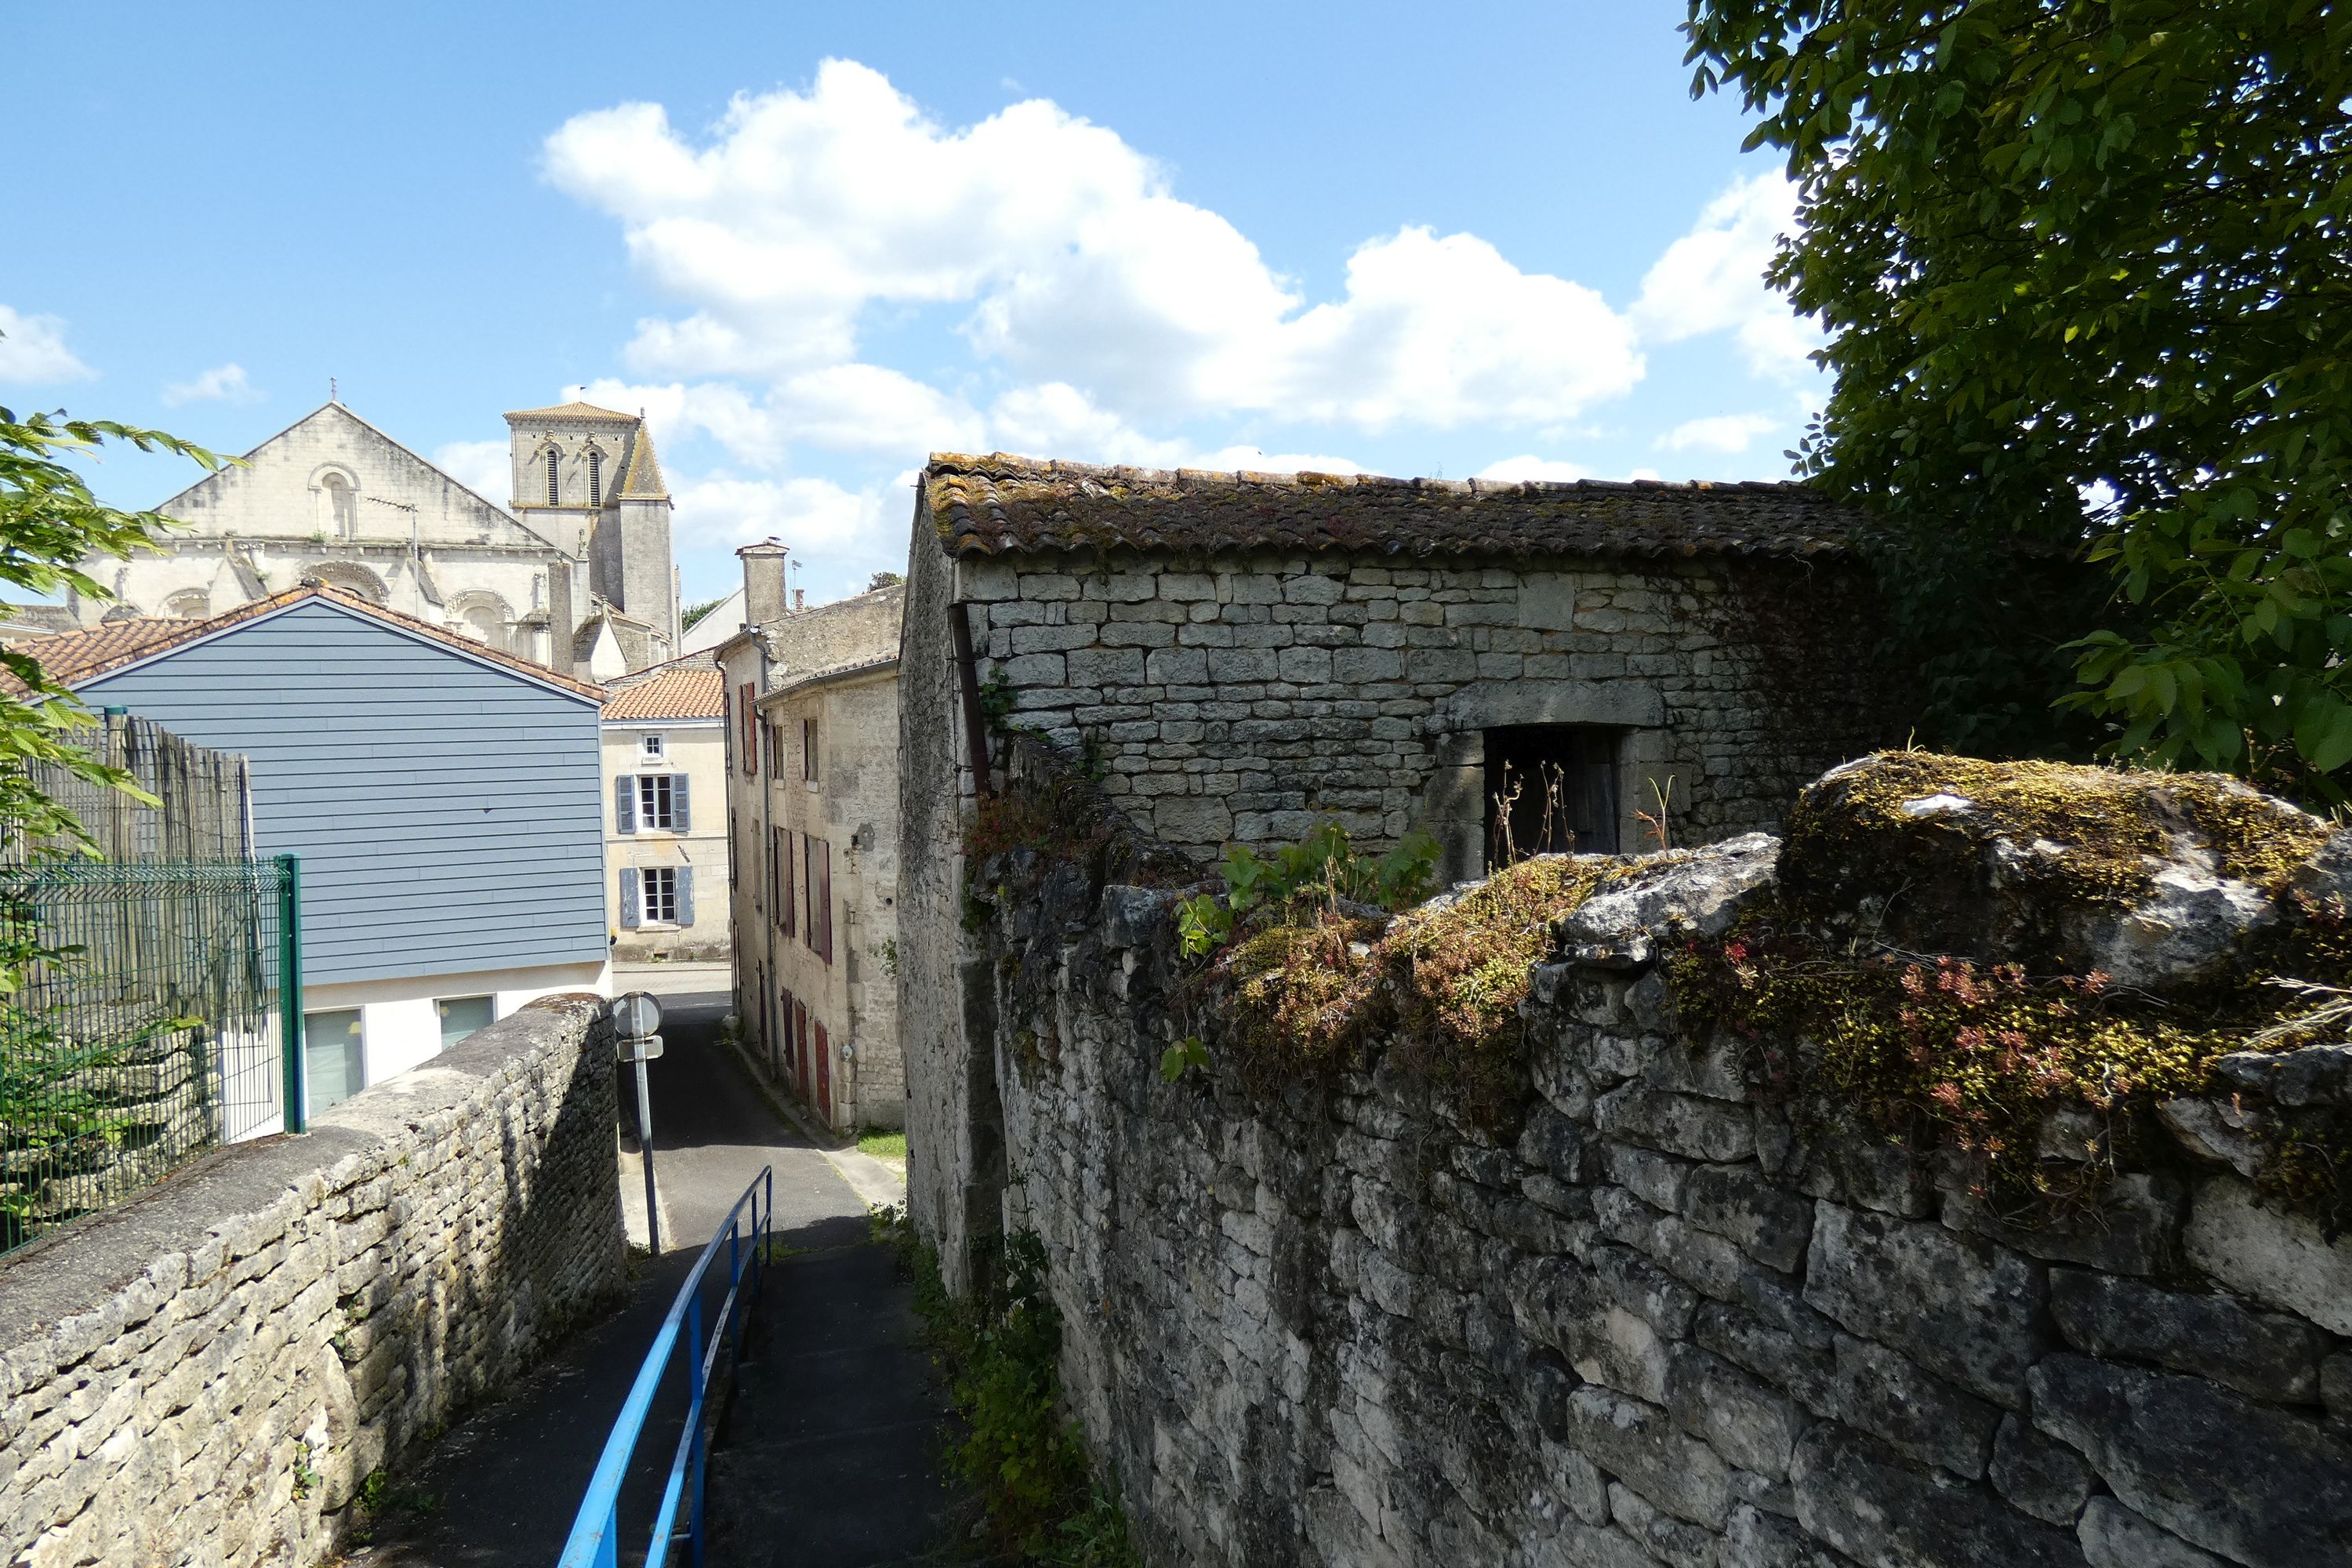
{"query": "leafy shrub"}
pixel 1323 867
pixel 1001 1347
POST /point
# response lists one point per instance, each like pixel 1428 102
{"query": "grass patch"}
pixel 1304 991
pixel 882 1144
pixel 1000 1347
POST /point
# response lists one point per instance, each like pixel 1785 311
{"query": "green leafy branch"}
pixel 1324 867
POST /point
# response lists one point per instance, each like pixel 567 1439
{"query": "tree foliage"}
pixel 2085 268
pixel 49 521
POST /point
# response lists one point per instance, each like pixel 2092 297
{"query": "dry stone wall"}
pixel 1338 1324
pixel 206 1374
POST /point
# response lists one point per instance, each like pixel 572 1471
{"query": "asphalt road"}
pixel 502 1487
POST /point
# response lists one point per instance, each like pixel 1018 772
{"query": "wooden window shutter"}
pixel 625 803
pixel 684 878
pixel 750 734
pixel 825 860
pixel 787 908
pixel 681 812
pixel 629 905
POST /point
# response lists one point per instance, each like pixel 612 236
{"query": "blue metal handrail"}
pixel 595 1538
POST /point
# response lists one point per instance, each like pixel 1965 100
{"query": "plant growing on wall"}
pixel 1324 868
pixel 2084 269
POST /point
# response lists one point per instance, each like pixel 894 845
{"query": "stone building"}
pixel 812 815
pixel 1508 667
pixel 666 865
pixel 574 574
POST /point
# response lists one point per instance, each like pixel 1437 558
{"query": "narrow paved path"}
pixel 503 1486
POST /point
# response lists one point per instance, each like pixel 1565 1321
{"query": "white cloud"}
pixel 815 516
pixel 1530 466
pixel 1075 264
pixel 486 467
pixel 33 351
pixel 221 383
pixel 1712 281
pixel 1058 420
pixel 1717 433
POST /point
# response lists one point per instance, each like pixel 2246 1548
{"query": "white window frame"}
pixel 649 747
pixel 657 895
pixel 654 790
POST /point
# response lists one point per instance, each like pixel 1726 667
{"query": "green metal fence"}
pixel 161 1017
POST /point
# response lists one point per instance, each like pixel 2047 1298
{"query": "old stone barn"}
pixel 1508 667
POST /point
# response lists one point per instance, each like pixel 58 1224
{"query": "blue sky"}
pixel 816 241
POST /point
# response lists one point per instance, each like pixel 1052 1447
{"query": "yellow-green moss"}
pixel 2109 822
pixel 1448 978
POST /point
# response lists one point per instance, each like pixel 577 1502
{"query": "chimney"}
pixel 763 581
pixel 800 598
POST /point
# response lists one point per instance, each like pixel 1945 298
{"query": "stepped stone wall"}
pixel 1660 1323
pixel 207 1373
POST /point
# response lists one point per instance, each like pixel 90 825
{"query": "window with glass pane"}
pixel 651 745
pixel 654 800
pixel 657 885
pixel 461 1016
pixel 332 1057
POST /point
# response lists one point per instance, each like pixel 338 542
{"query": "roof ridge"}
pixel 74 675
pixel 1001 502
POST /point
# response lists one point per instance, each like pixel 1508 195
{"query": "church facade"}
pixel 574 573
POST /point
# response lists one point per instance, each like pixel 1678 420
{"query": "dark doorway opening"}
pixel 1551 789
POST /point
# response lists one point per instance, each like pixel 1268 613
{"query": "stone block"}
pixel 2269 1355
pixel 2258 1485
pixel 1958 1305
pixel 1749 1422
pixel 1640 1445
pixel 1768 1222
pixel 1656 1179
pixel 1921 1417
pixel 2039 1474
pixel 1187 586
pixel 1312 590
pixel 1862 1499
pixel 1106 666
pixel 1034 670
pixel 2112 1536
pixel 2133 1228
pixel 2278 1258
pixel 1673 1541
pixel 1756 1539
pixel 1683 1124
pixel 1234 666
pixel 1303 666
pixel 1177 666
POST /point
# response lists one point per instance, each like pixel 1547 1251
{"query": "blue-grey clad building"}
pixel 444 797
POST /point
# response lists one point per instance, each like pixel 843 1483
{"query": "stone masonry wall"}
pixel 206 1374
pixel 1245 696
pixel 1338 1325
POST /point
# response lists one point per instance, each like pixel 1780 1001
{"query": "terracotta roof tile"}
pixel 65 653
pixel 74 658
pixel 573 410
pixel 689 693
pixel 999 504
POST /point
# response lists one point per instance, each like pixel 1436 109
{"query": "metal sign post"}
pixel 635 1017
